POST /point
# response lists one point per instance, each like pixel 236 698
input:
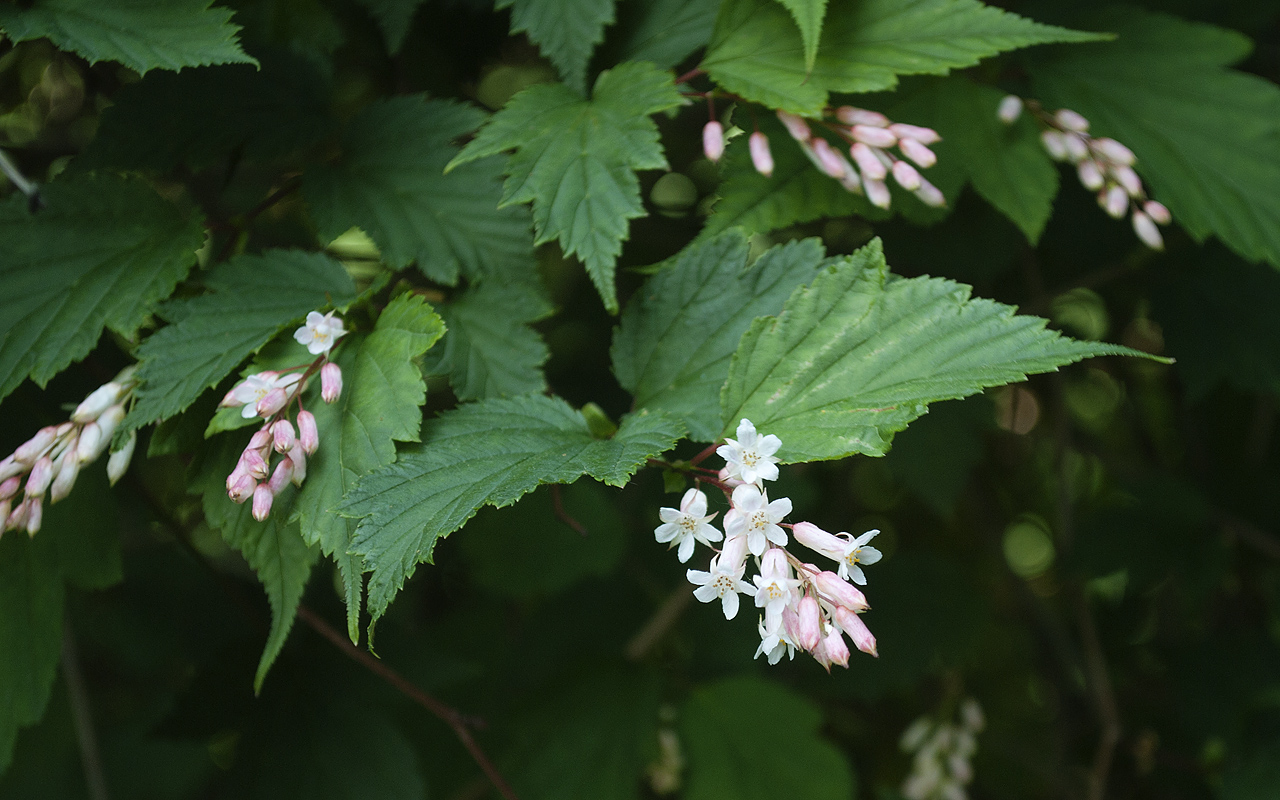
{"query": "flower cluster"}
pixel 51 460
pixel 803 606
pixel 270 395
pixel 940 769
pixel 1103 165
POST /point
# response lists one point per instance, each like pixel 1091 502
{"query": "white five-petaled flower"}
pixel 750 457
pixel 320 332
pixel 774 643
pixel 255 387
pixel 720 581
pixel 774 586
pixel 688 524
pixel 756 518
pixel 857 551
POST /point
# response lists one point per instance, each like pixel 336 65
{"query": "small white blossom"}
pixel 724 583
pixel 774 643
pixel 320 332
pixel 857 551
pixel 685 526
pixel 756 518
pixel 775 588
pixel 750 457
pixel 255 387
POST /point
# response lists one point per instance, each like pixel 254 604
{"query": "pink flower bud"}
pixel 40 477
pixel 761 157
pixel 877 193
pixel 271 402
pixel 9 487
pixel 282 435
pixel 809 626
pixel 906 176
pixel 260 440
pixel 253 464
pixel 921 134
pixel 830 161
pixel 68 468
pixel 229 399
pixel 35 515
pixel 1071 120
pixel 1113 151
pixel 917 152
pixel 1157 212
pixel 930 195
pixel 262 498
pixel 1129 179
pixel 1090 174
pixel 10 467
pixel 734 552
pixel 1147 231
pixel 876 137
pixel 1115 201
pixel 713 140
pixel 106 395
pixel 6 506
pixel 1010 109
pixel 242 489
pixel 838 591
pixel 1077 150
pixel 281 477
pixel 90 444
pixel 1055 144
pixel 837 650
pixel 36 446
pixel 724 477
pixel 774 564
pixel 308 435
pixel 118 462
pixel 872 167
pixel 796 126
pixel 330 382
pixel 857 630
pixel 815 538
pixel 17 518
pixel 851 115
pixel 299 460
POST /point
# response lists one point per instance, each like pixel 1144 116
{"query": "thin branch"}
pixel 82 716
pixel 1105 698
pixel 557 505
pixel 660 623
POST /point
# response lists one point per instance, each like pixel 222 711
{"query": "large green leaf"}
pixel 753 739
pixel 251 299
pixel 858 354
pixel 487 453
pixel 566 31
pixel 101 254
pixel 758 53
pixel 1215 169
pixel 575 160
pixel 677 334
pixel 808 15
pixel 140 34
pixel 382 393
pixel 394 17
pixel 662 31
pixel 390 183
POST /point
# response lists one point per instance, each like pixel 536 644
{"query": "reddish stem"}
pixel 690 75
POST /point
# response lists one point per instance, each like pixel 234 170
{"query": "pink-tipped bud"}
pixel 242 489
pixel 809 623
pixel 877 193
pixel 308 434
pixel 837 651
pixel 930 195
pixel 830 161
pixel 282 435
pixel 17 519
pixel 1010 109
pixel 761 156
pixel 330 382
pixel 1115 200
pixel 872 168
pixel 118 461
pixel 724 477
pixel 281 477
pixel 99 400
pixel 9 487
pixel 713 140
pixel 36 446
pixel 796 126
pixel 857 630
pixel 260 440
pixel 906 176
pixel 917 152
pixel 67 468
pixel 253 464
pixel 272 402
pixel 839 591
pixel 851 115
pixel 1147 231
pixel 1077 150
pixel 1055 144
pixel 1157 211
pixel 1113 151
pixel 774 564
pixel 229 399
pixel 921 134
pixel 1129 179
pixel 815 538
pixel 10 467
pixel 299 459
pixel 734 553
pixel 262 498
pixel 91 443
pixel 876 137
pixel 1090 174
pixel 1071 120
pixel 35 515
pixel 6 506
pixel 40 478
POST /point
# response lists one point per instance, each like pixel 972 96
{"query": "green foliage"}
pixel 101 254
pixel 678 333
pixel 566 31
pixel 808 15
pixel 486 453
pixel 754 739
pixel 137 33
pixel 575 160
pixel 663 31
pixel 251 299
pixel 757 53
pixel 388 182
pixel 856 356
pixel 1215 170
pixel 394 18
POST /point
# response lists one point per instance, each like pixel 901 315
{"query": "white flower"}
pixel 857 551
pixel 687 525
pixel 320 333
pixel 750 458
pixel 774 586
pixel 774 643
pixel 722 583
pixel 255 387
pixel 756 518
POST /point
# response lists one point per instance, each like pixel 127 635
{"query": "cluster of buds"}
pixel 804 607
pixel 940 768
pixel 271 396
pixel 757 144
pixel 51 460
pixel 1103 165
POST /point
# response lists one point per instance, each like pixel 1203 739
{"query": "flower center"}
pixel 688 523
pixel 723 584
pixel 852 558
pixel 750 458
pixel 759 520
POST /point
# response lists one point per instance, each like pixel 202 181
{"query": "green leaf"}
pixel 389 182
pixel 678 333
pixel 394 18
pixel 273 548
pixel 808 15
pixel 140 34
pixel 1205 136
pixel 101 254
pixel 758 53
pixel 487 453
pixel 381 396
pixel 566 31
pixel 251 299
pixel 575 160
pixel 663 31
pixel 752 739
pixel 857 355
pixel 490 350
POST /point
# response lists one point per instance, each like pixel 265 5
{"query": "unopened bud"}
pixel 229 399
pixel 118 462
pixel 837 650
pixel 242 489
pixel 1116 201
pixel 109 421
pixel 815 538
pixel 1129 179
pixel 282 435
pixel 930 195
pixel 871 166
pixel 761 157
pixel 829 160
pixel 262 498
pixel 35 514
pixel 1055 144
pixel 36 446
pixel 1010 109
pixel 1090 175
pixel 876 137
pixel 68 468
pixel 917 152
pixel 299 459
pixel 308 435
pixel 878 193
pixel 9 487
pixel 106 395
pixel 921 134
pixel 10 467
pixel 796 126
pixel 857 630
pixel 1071 120
pixel 906 176
pixel 1147 231
pixel 839 592
pixel 6 506
pixel 713 140
pixel 1113 151
pixel 734 553
pixel 809 624
pixel 271 402
pixel 281 477
pixel 17 519
pixel 91 443
pixel 851 115
pixel 1157 212
pixel 1077 150
pixel 252 463
pixel 330 382
pixel 40 477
